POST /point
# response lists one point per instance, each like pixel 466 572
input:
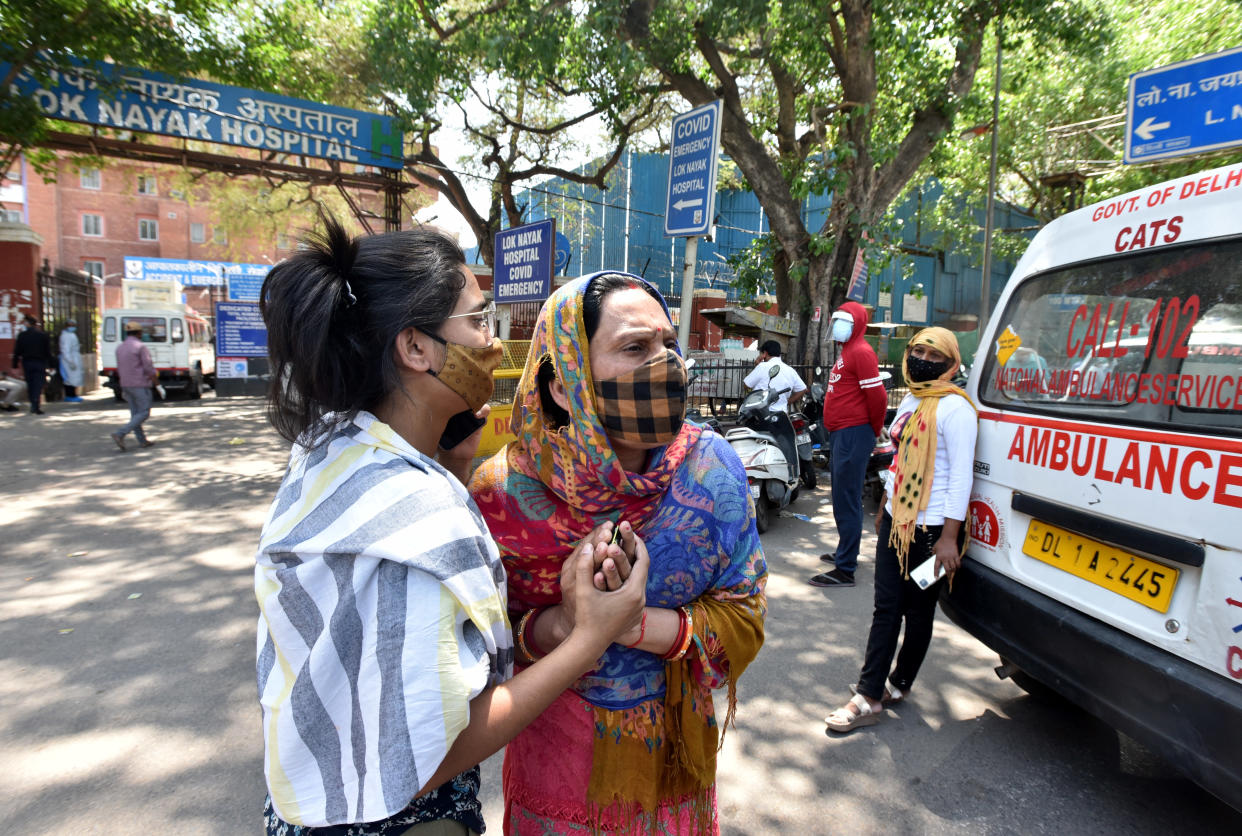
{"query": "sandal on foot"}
pixel 844 720
pixel 892 696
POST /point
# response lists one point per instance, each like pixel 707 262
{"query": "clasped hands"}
pixel 603 585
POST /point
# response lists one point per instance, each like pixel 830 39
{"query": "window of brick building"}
pixel 148 229
pixel 282 241
pixel 198 233
pixel 219 235
pixel 13 216
pixel 92 224
pixel 93 267
pixel 90 178
pixel 147 184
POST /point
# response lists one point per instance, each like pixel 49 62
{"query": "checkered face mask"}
pixel 646 405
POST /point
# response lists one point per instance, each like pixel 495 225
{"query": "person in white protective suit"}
pixel 71 362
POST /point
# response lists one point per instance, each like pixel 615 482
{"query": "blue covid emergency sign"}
pixel 240 330
pixel 522 267
pixel 692 158
pixel 1185 108
pixel 149 102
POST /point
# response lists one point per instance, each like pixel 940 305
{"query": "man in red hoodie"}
pixel 854 408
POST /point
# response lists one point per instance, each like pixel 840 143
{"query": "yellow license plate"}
pixel 1130 576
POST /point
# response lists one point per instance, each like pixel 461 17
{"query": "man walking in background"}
pixel 33 352
pixel 854 408
pixel 137 375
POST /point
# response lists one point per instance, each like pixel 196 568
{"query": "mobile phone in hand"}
pixel 460 427
pixel 925 573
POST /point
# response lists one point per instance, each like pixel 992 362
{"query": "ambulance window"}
pixel 1153 337
pixel 109 333
pixel 177 333
pixel 154 328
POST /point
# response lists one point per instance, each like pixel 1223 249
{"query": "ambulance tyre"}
pixel 194 389
pixel 763 512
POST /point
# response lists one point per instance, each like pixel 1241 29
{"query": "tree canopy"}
pixel 523 97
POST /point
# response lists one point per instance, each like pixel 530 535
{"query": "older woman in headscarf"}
pixel 599 419
pixel 921 520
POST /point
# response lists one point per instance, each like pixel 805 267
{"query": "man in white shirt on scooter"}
pixel 786 378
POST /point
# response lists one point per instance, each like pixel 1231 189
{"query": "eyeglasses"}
pixel 484 320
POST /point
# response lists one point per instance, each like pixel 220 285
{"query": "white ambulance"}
pixel 180 341
pixel 1105 559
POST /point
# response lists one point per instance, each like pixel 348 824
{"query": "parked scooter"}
pixel 766 443
pixel 802 434
pixel 813 409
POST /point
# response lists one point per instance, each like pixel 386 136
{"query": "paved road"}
pixel 127 700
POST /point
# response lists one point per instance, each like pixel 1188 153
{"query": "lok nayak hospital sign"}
pixel 107 95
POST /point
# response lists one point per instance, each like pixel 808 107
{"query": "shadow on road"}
pixel 128 618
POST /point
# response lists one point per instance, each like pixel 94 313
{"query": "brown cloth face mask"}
pixel 468 370
pixel 646 405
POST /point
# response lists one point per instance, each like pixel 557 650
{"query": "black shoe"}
pixel 831 557
pixel 834 578
pixel 37 412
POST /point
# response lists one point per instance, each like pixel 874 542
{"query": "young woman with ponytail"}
pixel 385 654
pixel 922 519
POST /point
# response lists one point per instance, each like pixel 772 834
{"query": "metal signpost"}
pixel 522 264
pixel 1186 108
pixel 691 204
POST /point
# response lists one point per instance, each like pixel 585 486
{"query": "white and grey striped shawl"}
pixel 382 614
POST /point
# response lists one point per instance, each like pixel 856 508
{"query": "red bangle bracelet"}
pixel 642 631
pixel 682 627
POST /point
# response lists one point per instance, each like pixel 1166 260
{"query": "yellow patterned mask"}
pixel 468 370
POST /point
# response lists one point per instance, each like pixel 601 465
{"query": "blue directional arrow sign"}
pixel 692 158
pixel 1186 108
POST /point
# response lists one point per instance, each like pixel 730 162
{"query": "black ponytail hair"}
pixel 333 312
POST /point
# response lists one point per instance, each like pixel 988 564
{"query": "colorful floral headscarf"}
pixel 575 461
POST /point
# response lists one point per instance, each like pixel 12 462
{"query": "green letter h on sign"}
pixel 385 143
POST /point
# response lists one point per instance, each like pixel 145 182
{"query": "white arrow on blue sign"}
pixel 1185 108
pixel 692 157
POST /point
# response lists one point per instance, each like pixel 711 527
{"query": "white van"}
pixel 1105 559
pixel 180 341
